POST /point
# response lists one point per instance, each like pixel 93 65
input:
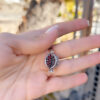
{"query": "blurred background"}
pixel 18 16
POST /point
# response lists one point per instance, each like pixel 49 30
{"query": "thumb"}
pixel 35 45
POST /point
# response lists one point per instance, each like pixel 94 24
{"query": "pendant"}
pixel 51 61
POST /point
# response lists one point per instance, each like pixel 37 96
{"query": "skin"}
pixel 23 73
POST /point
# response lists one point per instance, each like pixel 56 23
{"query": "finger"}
pixel 75 65
pixel 65 82
pixel 72 26
pixel 64 27
pixel 27 45
pixel 73 47
pixel 35 45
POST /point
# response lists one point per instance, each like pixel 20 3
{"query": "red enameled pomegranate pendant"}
pixel 51 61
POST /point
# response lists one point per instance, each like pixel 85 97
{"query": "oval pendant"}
pixel 51 61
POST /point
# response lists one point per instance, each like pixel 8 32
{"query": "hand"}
pixel 23 73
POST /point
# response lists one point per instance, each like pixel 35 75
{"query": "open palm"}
pixel 23 73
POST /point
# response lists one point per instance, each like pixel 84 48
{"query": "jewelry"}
pixel 51 61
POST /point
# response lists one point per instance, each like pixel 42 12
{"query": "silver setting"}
pixel 56 61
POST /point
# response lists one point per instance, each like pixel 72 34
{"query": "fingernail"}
pixel 88 22
pixel 51 29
